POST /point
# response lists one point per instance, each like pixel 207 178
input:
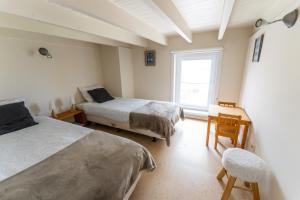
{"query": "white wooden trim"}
pixel 169 12
pixel 111 13
pixel 173 74
pixel 207 50
pixel 217 53
pixel 226 13
pixel 13 23
pixel 49 13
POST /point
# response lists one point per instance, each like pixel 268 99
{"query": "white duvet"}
pixel 24 148
pixel 117 109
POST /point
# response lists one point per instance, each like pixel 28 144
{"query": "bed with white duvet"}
pixel 117 113
pixel 55 159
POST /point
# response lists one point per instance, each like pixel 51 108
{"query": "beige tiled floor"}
pixel 186 170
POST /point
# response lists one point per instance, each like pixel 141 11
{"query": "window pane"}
pixel 194 94
pixel 195 82
pixel 195 71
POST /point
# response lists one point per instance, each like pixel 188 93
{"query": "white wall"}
pixel 156 82
pixel 25 73
pixel 117 70
pixel 126 70
pixel 111 70
pixel 271 96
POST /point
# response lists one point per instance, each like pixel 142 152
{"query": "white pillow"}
pixel 85 94
pixel 12 100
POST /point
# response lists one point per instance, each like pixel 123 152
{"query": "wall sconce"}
pixel 289 20
pixel 44 52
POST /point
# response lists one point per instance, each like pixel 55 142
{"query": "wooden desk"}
pixel 77 114
pixel 213 112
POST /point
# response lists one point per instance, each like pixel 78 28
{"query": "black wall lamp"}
pixel 289 20
pixel 44 52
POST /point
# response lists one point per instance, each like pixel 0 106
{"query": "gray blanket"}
pixel 98 166
pixel 158 117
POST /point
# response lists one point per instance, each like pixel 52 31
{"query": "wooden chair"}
pixel 227 126
pixel 227 104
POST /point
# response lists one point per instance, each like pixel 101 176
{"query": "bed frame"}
pixel 120 125
pixel 131 189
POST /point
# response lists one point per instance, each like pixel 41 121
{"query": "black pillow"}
pixel 13 117
pixel 100 95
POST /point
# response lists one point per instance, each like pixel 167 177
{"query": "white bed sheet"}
pixel 24 148
pixel 117 109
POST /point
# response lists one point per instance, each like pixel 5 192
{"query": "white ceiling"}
pixel 141 10
pixel 136 21
pixel 202 15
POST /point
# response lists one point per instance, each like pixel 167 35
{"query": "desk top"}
pixel 214 110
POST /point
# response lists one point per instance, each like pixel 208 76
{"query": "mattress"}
pixel 27 147
pixel 117 109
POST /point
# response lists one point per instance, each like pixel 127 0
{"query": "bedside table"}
pixel 78 115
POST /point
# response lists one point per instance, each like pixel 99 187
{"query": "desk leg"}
pixel 245 133
pixel 208 130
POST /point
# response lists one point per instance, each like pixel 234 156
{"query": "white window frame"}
pixel 216 55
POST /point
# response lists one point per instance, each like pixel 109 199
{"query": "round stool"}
pixel 244 165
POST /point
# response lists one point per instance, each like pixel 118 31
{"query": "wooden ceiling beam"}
pixel 48 13
pixel 169 12
pixel 107 11
pixel 226 13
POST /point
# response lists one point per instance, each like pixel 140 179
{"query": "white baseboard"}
pixel 195 114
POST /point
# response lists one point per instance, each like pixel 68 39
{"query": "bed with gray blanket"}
pixel 152 118
pixel 58 160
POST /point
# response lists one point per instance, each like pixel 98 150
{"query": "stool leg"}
pixel 229 186
pixel 255 189
pixel 221 174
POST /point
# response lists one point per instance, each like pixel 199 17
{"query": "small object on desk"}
pixel 213 112
pixel 227 104
pixel 78 115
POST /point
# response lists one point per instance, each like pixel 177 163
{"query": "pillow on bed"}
pixel 13 117
pixel 85 94
pixel 100 95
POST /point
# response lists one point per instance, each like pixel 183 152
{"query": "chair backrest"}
pixel 227 104
pixel 228 124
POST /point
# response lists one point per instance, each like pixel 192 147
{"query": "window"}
pixel 195 78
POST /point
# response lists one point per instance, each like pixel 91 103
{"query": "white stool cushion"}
pixel 243 164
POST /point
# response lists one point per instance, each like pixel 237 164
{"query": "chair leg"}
pixel 221 174
pixel 232 141
pixel 229 186
pixel 235 141
pixel 216 141
pixel 255 191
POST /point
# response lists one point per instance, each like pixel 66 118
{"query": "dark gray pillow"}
pixel 100 95
pixel 13 117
